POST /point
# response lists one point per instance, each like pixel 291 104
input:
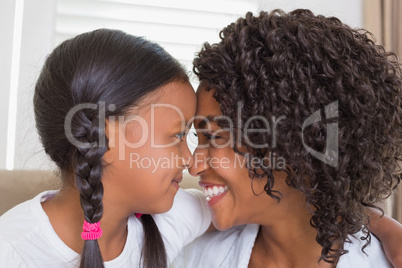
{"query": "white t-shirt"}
pixel 232 249
pixel 27 238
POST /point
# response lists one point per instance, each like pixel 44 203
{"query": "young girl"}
pixel 108 106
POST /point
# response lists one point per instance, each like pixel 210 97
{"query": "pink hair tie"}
pixel 138 215
pixel 91 231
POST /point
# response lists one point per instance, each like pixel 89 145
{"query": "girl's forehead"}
pixel 177 102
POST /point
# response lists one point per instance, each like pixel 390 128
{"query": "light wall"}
pixel 350 12
pixel 37 40
pixel 7 10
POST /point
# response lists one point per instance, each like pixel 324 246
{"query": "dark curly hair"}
pixel 294 64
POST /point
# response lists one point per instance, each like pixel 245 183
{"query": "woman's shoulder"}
pixel 371 256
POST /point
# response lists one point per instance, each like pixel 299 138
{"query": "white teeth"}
pixel 215 190
pixel 211 191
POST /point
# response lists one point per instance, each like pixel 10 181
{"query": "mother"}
pixel 293 179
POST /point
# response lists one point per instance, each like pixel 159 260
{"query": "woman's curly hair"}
pixel 294 64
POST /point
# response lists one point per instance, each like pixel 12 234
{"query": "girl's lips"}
pixel 176 182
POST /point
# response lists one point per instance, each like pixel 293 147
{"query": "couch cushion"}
pixel 17 186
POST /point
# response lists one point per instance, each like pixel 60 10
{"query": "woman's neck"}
pixel 286 247
pixel 286 238
pixel 67 217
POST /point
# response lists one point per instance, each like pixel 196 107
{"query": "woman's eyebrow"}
pixel 201 122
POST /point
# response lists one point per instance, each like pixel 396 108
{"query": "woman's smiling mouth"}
pixel 213 192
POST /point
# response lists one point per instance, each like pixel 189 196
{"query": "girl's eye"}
pixel 181 135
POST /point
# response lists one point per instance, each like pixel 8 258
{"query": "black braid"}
pixel 88 173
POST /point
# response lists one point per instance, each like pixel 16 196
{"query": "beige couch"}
pixel 17 186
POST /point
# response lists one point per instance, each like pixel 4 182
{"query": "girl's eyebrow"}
pixel 187 123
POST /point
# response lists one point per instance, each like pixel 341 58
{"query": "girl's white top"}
pixel 27 238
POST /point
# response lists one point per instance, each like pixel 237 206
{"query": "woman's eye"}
pixel 181 136
pixel 211 137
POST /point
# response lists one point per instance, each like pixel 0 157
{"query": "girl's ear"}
pixel 110 131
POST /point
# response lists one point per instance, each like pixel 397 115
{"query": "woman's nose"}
pixel 199 161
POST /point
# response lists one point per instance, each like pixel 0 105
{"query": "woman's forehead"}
pixel 206 103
